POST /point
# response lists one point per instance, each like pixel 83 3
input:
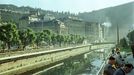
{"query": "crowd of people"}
pixel 116 64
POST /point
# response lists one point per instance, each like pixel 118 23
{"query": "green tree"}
pixel 27 37
pixel 39 38
pixel 54 40
pixel 72 39
pixel 60 39
pixel 66 40
pixel 123 43
pixel 9 34
pixel 47 36
pixel 130 36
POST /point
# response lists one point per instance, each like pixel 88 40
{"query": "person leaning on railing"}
pixel 124 70
pixel 119 59
pixel 110 67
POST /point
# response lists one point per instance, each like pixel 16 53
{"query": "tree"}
pixel 123 43
pixel 66 40
pixel 9 34
pixel 54 40
pixel 130 36
pixel 60 39
pixel 72 39
pixel 23 36
pixel 39 38
pixel 47 36
pixel 27 37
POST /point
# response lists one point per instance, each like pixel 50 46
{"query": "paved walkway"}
pixel 130 59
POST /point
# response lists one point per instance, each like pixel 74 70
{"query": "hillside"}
pixel 8 9
pixel 123 15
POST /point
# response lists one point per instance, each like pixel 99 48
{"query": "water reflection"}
pixel 87 66
pixel 95 65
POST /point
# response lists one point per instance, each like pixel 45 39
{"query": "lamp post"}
pixel 118 35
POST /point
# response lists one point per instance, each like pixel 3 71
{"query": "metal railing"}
pixel 100 72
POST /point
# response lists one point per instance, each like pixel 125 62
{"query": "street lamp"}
pixel 117 35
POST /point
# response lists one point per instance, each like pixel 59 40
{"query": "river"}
pixel 94 62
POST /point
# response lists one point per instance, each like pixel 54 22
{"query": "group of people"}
pixel 116 65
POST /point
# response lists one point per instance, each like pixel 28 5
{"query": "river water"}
pixel 95 65
pixel 97 58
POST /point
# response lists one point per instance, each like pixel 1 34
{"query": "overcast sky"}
pixel 74 6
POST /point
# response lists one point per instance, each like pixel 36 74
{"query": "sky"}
pixel 73 6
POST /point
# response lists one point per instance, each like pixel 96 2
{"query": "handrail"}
pixel 100 71
pixel 29 55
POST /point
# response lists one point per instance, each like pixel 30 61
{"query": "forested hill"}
pixel 26 10
pixel 115 14
pixel 15 8
pixel 123 15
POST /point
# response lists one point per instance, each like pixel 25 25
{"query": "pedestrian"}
pixel 110 68
pixel 119 59
pixel 117 49
pixel 132 48
pixel 113 52
pixel 124 70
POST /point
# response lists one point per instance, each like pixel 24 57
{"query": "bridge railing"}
pixel 100 72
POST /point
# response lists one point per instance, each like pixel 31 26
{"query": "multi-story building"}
pixel 48 17
pixel 74 25
pixel 34 16
pixel 93 30
pixel 54 25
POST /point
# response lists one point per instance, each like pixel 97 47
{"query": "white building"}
pixel 48 17
pixel 33 18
